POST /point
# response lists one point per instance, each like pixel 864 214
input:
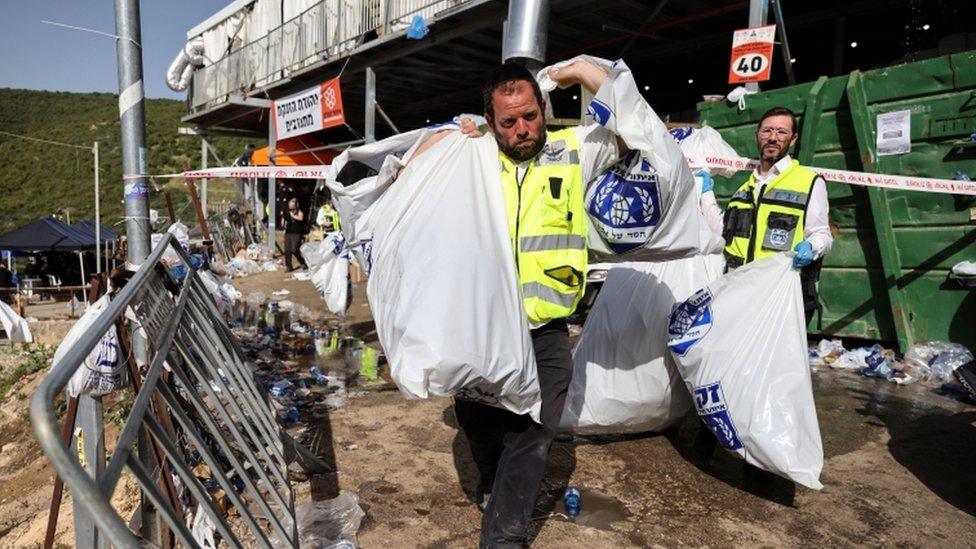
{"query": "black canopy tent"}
pixel 47 234
pixel 87 227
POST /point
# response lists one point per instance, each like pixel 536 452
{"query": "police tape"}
pixel 886 181
pixel 255 172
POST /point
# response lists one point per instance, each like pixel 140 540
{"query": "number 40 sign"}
pixel 752 54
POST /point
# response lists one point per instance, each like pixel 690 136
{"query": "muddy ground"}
pixel 899 471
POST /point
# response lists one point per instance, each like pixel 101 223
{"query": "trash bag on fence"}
pixel 442 289
pixel 331 275
pixel 103 371
pixel 740 344
pixel 624 379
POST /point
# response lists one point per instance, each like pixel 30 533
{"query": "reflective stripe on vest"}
pixel 547 225
pixel 776 224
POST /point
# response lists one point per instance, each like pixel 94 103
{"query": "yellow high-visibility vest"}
pixel 775 224
pixel 547 225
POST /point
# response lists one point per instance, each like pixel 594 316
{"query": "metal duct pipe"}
pixel 181 69
pixel 526 30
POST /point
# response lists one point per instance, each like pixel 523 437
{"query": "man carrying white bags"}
pixel 543 178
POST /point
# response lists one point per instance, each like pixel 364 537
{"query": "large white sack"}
pixel 624 379
pixel 442 284
pixel 330 273
pixel 702 144
pixel 740 344
pixel 17 329
pixel 644 205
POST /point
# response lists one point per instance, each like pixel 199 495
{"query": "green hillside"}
pixel 37 179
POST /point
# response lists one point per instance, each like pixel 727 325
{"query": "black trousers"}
pixel 511 451
pixel 292 243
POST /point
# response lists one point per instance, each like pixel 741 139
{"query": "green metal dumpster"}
pixel 888 276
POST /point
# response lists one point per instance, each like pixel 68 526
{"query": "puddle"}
pixel 597 510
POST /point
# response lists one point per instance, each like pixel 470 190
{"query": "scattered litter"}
pixel 269 265
pixel 331 523
pixel 349 446
pixel 256 298
pixel 939 358
pixel 855 359
pixel 281 292
pixel 301 275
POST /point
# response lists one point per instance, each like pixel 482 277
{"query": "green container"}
pixel 888 276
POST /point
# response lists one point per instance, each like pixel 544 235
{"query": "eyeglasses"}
pixel 780 132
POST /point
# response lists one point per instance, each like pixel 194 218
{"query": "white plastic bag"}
pixel 740 344
pixel 103 371
pixel 16 327
pixel 331 276
pixel 644 205
pixel 442 286
pixel 699 144
pixel 624 379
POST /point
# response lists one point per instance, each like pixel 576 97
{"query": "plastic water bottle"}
pixel 320 378
pixel 291 415
pixel 571 500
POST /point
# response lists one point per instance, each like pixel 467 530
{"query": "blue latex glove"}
pixel 707 183
pixel 803 256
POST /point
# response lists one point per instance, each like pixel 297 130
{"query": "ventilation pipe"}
pixel 526 30
pixel 181 69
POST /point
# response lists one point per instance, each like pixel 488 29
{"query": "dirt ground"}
pixel 898 471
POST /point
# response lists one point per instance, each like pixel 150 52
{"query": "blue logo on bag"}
pixel 626 202
pixel 690 321
pixel 711 407
pixel 599 111
pixel 680 134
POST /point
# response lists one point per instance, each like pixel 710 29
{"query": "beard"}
pixel 523 150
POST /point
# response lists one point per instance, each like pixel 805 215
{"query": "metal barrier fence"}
pixel 196 404
pixel 327 30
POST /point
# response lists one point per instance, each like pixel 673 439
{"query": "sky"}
pixel 45 57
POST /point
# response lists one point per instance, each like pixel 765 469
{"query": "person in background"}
pixel 294 221
pixel 6 281
pixel 328 217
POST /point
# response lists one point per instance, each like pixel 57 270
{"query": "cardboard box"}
pixel 356 273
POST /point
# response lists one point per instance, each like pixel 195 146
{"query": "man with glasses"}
pixel 781 207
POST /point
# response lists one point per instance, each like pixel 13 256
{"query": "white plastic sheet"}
pixel 740 345
pixel 14 325
pixel 442 283
pixel 102 371
pixel 624 379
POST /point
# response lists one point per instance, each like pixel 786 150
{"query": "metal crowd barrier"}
pixel 197 401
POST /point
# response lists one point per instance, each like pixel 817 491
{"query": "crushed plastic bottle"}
pixel 571 501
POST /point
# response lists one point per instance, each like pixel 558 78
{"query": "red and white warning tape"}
pixel 899 182
pixel 887 181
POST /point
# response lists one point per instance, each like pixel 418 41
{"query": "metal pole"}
pixel 272 183
pixel 784 43
pixel 132 116
pixel 98 216
pixel 370 105
pixel 758 14
pixel 203 165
